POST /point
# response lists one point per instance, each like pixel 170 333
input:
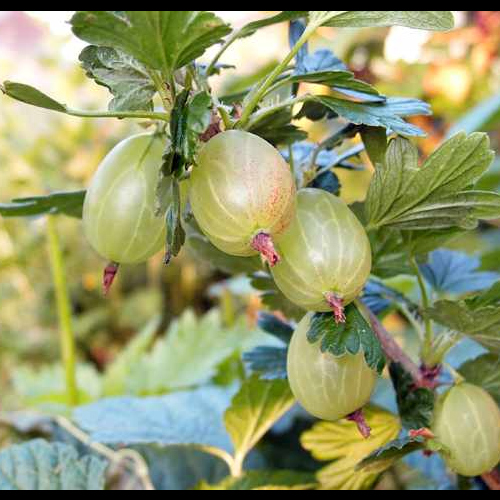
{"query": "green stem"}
pixel 265 112
pixel 260 91
pixel 429 332
pixel 160 87
pixel 67 338
pixel 229 41
pixel 118 114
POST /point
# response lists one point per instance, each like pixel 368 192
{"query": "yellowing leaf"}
pixel 341 442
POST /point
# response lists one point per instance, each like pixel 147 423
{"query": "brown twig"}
pixel 392 349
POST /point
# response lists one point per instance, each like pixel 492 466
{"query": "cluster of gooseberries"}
pixel 243 197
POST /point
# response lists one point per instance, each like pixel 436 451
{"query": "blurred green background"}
pixel 41 152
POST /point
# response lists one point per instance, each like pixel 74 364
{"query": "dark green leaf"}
pixel 388 114
pixel 203 250
pixel 198 115
pixel 416 406
pixel 176 235
pixel 289 15
pixel 432 197
pixel 484 372
pixel 390 258
pixel 30 95
pixel 392 452
pixel 278 129
pixel 162 40
pixel 327 181
pixel 126 78
pixel 438 20
pixel 347 338
pixel 477 317
pixel 273 298
pixel 375 141
pixel 67 203
pixel 340 80
pixel 273 325
pixel 269 362
pixel 42 466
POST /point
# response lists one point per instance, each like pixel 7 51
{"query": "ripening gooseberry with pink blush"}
pixel 242 194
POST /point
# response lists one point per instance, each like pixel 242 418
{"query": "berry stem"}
pixel 337 305
pixel 263 243
pixel 359 419
pixel 109 275
pixel 492 480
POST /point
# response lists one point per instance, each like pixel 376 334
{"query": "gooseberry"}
pixel 119 211
pixel 467 423
pixel 242 194
pixel 326 254
pixel 328 387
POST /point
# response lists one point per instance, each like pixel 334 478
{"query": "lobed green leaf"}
pixel 161 40
pixel 347 338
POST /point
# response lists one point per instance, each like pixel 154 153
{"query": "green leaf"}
pixel 200 246
pixel 387 114
pixel 278 129
pixel 179 468
pixel 270 363
pixel 288 15
pixel 162 40
pixel 484 372
pixel 198 115
pixel 30 95
pixel 339 80
pixel 176 235
pixel 273 325
pixel 191 418
pixel 190 352
pixel 375 141
pixel 416 406
pixel 127 79
pixel 390 257
pixel 115 378
pixel 347 338
pixel 273 298
pixel 254 410
pixel 477 317
pixel 435 195
pixel 265 480
pixel 389 454
pixel 44 388
pixel 435 20
pixel 341 444
pixel 41 466
pixel 68 203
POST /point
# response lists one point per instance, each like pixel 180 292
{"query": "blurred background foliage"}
pixel 458 73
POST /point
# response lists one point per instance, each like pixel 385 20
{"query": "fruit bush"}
pixel 233 178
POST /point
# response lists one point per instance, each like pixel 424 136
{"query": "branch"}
pixel 392 349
